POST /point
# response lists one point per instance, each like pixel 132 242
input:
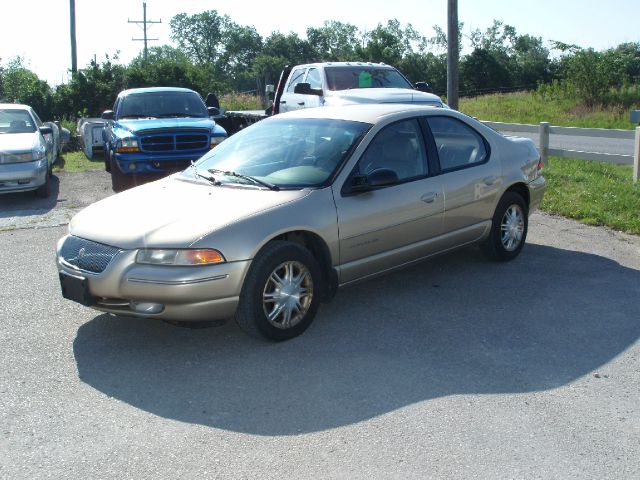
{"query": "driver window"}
pixel 313 78
pixel 296 78
pixel 398 147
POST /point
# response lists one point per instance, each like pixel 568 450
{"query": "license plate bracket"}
pixel 76 288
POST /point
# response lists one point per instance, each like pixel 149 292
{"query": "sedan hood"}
pixel 381 95
pixel 19 142
pixel 172 212
pixel 143 124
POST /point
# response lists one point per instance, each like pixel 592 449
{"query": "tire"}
pixel 281 294
pixel 44 190
pixel 119 181
pixel 508 229
pixel 107 160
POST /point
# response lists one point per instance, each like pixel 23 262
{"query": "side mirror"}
pixel 107 115
pixel 46 130
pixel 423 87
pixel 213 111
pixel 381 177
pixel 305 89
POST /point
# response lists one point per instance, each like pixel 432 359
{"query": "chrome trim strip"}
pixel 176 282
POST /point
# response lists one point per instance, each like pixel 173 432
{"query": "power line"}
pixel 144 23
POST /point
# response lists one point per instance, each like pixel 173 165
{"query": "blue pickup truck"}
pixel 152 132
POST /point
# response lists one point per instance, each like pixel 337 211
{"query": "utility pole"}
pixel 72 24
pixel 144 23
pixel 452 54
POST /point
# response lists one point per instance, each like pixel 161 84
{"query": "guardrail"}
pixel 544 129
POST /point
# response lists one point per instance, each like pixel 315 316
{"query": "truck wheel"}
pixel 281 294
pixel 119 181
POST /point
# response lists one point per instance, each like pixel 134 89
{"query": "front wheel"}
pixel 119 180
pixel 280 296
pixel 508 228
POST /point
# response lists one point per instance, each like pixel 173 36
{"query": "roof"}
pixel 132 91
pixel 18 106
pixel 346 64
pixel 368 113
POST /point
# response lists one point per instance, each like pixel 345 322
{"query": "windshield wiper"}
pixel 179 115
pixel 136 115
pixel 270 186
pixel 209 179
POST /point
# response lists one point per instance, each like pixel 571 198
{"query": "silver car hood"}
pixel 19 142
pixel 172 212
pixel 380 95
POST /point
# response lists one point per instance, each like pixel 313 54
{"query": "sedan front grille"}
pixel 87 255
pixel 180 142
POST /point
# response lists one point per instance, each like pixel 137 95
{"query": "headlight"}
pixel 205 256
pixel 127 145
pixel 19 157
pixel 216 141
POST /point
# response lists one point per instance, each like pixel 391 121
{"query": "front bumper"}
pixel 196 293
pixel 21 177
pixel 130 163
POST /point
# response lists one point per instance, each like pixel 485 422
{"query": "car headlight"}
pixel 127 145
pixel 181 257
pixel 19 157
pixel 215 141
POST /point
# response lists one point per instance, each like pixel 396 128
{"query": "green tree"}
pixel 21 85
pixel 335 41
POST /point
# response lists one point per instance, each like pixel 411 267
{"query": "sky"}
pixel 38 30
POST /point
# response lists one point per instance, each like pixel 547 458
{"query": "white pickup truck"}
pixel 343 83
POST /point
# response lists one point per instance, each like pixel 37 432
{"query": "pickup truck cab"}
pixel 152 132
pixel 343 83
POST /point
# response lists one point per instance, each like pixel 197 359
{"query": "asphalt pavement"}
pixel 455 368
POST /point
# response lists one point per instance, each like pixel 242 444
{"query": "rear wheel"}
pixel 280 296
pixel 508 229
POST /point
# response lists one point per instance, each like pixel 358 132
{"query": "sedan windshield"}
pixel 282 153
pixel 162 104
pixel 341 78
pixel 13 120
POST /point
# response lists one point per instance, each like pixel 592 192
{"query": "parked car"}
pixel 153 132
pixel 268 225
pixel 27 150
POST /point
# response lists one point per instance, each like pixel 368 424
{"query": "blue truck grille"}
pixel 87 255
pixel 174 142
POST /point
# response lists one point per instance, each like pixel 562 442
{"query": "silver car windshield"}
pixel 284 152
pixel 13 120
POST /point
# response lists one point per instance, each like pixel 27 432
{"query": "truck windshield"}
pixel 285 153
pixel 345 78
pixel 162 105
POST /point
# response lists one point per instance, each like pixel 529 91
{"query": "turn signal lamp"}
pixel 215 141
pixel 127 145
pixel 204 256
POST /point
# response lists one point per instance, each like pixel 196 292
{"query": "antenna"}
pixel 144 23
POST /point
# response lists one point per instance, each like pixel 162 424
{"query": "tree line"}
pixel 214 53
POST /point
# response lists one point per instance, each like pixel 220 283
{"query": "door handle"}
pixel 282 101
pixel 489 180
pixel 429 197
pixel 300 103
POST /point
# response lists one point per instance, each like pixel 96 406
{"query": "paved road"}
pixel 584 144
pixel 456 368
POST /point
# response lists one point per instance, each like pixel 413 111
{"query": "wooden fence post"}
pixel 544 142
pixel 636 156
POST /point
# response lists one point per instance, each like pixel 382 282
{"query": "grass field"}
pixel 594 193
pixel 78 162
pixel 531 108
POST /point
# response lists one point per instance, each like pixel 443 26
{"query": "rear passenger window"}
pixel 458 144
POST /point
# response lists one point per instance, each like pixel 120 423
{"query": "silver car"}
pixel 26 150
pixel 267 225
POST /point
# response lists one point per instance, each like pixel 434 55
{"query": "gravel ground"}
pixel 455 368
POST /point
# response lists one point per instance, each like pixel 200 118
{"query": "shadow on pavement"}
pixel 454 325
pixel 27 203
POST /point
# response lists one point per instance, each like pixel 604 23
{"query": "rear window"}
pixel 345 78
